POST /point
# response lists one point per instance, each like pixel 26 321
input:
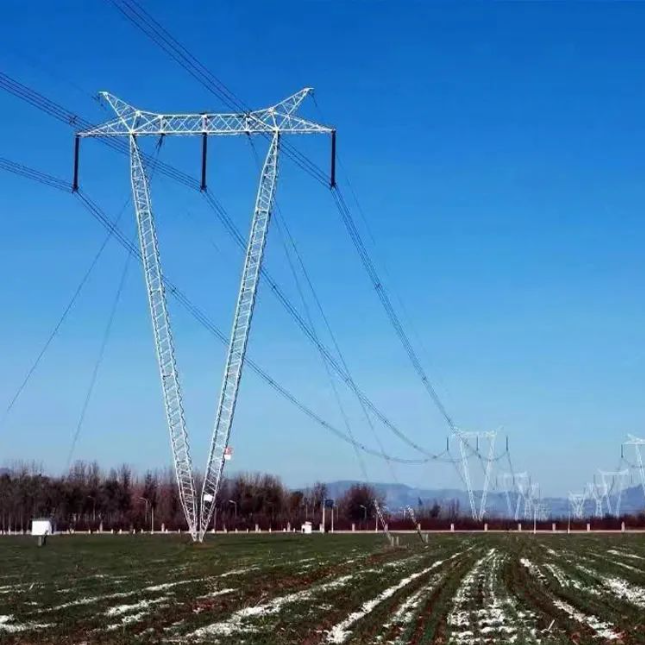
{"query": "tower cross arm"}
pixel 280 118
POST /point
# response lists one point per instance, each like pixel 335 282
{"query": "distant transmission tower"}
pixel 637 443
pixel 619 476
pixel 594 493
pixel 272 122
pixel 522 486
pixel 506 478
pixel 577 501
pixel 464 446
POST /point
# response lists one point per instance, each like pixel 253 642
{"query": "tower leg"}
pixel 240 334
pixel 164 344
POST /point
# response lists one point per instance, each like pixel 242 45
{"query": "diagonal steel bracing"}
pixel 272 122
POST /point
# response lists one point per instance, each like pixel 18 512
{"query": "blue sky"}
pixel 498 153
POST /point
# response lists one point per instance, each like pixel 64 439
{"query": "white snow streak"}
pixel 603 630
pixel 7 624
pixel 235 623
pixel 126 609
pixel 340 632
pixel 498 618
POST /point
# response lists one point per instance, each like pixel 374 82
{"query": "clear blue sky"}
pixel 498 151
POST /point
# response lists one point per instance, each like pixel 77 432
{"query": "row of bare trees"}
pixel 89 498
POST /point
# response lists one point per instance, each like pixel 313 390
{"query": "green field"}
pixel 288 589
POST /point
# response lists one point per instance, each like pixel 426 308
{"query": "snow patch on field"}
pixel 18 588
pixel 169 585
pixel 625 554
pixel 602 629
pixel 90 600
pixel 404 615
pixel 7 624
pixel 623 589
pixel 533 568
pixel 126 609
pixel 239 572
pixel 498 619
pixel 214 594
pixel 632 593
pixel 629 567
pixel 340 632
pixel 558 574
pixel 236 623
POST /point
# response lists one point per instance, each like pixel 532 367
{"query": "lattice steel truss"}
pixel 523 487
pixel 462 437
pixel 637 444
pixel 272 122
pixel 594 493
pixel 506 478
pixel 577 501
pixel 619 476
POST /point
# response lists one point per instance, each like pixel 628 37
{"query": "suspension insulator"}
pixel 202 186
pixel 77 146
pixel 332 182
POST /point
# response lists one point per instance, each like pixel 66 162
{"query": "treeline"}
pixel 89 498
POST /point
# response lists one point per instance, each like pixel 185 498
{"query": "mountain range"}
pixel 398 496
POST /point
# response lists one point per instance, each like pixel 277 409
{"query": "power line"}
pixel 99 359
pixel 54 182
pixel 70 118
pixel 383 296
pixel 139 17
pixel 115 232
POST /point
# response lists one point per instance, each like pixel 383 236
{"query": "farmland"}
pixel 286 589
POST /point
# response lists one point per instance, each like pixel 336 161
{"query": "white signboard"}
pixel 41 527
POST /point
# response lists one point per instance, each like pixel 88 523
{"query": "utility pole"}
pixel 273 123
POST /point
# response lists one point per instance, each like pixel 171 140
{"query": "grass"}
pixel 293 589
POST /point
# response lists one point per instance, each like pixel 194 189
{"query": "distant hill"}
pixel 401 495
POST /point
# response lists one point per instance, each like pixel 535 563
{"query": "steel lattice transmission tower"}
pixel 637 444
pixel 577 501
pixel 272 122
pixel 619 476
pixel 593 492
pixel 523 487
pixel 477 513
pixel 506 478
